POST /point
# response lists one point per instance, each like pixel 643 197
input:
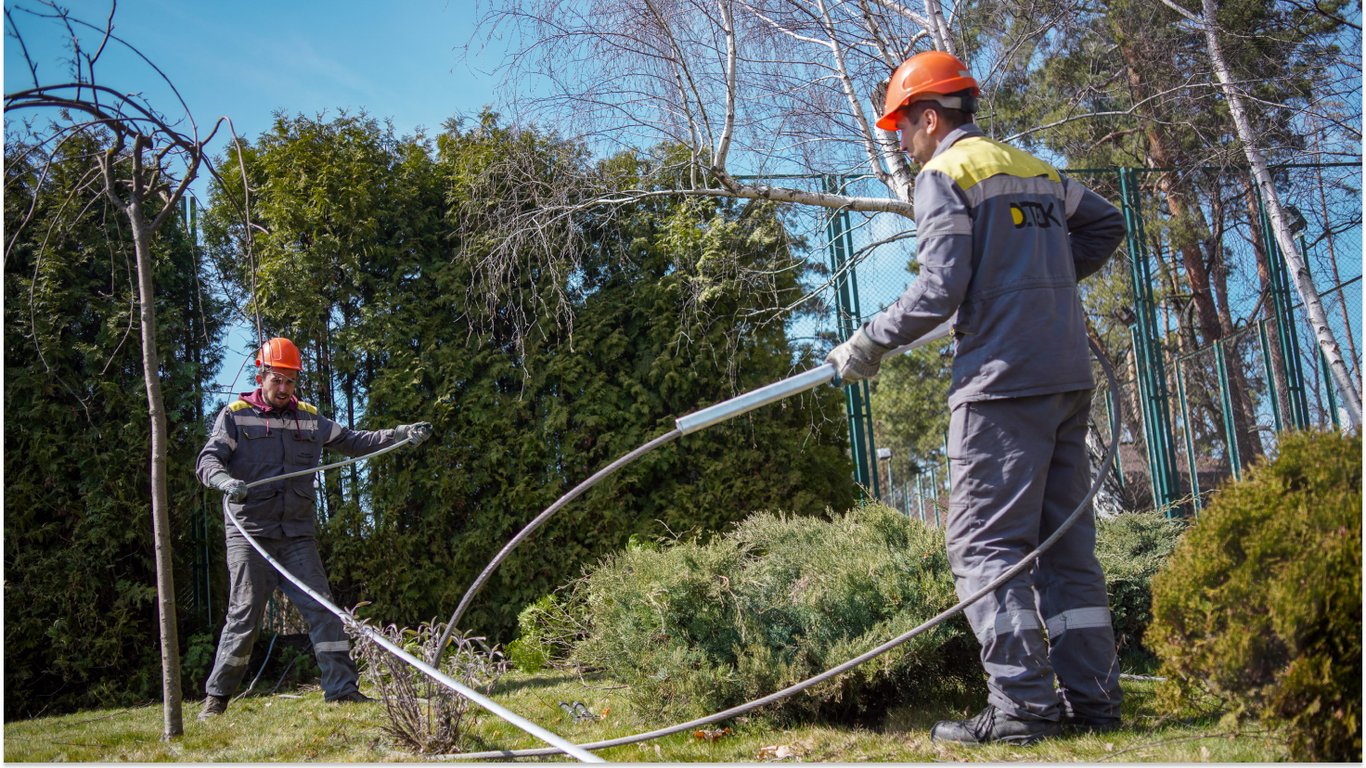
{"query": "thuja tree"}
pixel 671 305
pixel 343 215
pixel 535 371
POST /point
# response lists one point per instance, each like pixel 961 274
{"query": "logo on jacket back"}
pixel 1033 215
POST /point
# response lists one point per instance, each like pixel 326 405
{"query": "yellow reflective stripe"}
pixel 238 405
pixel 976 158
pixel 308 408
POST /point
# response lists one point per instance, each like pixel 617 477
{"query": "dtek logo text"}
pixel 1033 215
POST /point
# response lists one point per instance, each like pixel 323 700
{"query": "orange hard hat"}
pixel 926 76
pixel 280 352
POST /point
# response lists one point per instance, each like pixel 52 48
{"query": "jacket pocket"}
pixel 253 432
pixel 965 322
pixel 304 455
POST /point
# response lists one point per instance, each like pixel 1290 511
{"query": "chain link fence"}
pixel 1208 334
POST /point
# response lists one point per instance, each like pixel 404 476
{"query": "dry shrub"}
pixel 424 715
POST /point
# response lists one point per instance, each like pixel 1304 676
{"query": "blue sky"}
pixel 246 59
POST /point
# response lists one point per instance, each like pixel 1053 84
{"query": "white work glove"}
pixel 419 432
pixel 856 359
pixel 235 489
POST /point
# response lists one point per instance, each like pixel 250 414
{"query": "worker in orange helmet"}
pixel 263 434
pixel 1003 239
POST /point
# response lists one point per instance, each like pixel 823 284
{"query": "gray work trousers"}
pixel 252 580
pixel 1019 468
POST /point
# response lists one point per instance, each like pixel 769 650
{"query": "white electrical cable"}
pixel 729 409
pixel 991 587
pixel 334 465
pixel 561 745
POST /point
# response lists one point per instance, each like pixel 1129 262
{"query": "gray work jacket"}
pixel 1002 239
pixel 251 443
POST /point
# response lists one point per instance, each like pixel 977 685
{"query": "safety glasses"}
pixel 280 379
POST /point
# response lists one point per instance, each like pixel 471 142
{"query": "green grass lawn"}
pixel 299 727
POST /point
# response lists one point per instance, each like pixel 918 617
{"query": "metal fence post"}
pixel 1328 388
pixel 1152 378
pixel 1186 431
pixel 1287 336
pixel 1269 367
pixel 1110 418
pixel 846 318
pixel 1226 405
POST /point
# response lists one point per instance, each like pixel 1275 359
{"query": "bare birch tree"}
pixel 145 171
pixel 752 88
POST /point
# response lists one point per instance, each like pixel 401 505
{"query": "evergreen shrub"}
pixel 696 627
pixel 1259 608
pixel 1132 548
pixel 547 631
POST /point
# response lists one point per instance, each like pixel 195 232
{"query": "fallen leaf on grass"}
pixel 777 752
pixel 711 735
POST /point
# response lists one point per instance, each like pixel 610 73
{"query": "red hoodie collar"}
pixel 257 400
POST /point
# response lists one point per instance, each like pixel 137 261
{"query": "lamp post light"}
pixel 885 455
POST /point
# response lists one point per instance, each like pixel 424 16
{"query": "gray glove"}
pixel 234 488
pixel 419 432
pixel 856 359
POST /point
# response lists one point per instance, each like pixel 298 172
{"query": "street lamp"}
pixel 885 454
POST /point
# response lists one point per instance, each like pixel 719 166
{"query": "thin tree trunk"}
pixel 172 724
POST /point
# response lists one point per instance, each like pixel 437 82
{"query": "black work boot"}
pixel 213 706
pixel 354 697
pixel 991 726
pixel 1084 724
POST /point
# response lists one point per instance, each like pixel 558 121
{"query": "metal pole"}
pixel 1145 413
pixel 891 484
pixel 1110 415
pixel 1328 388
pixel 845 317
pixel 1147 349
pixel 1269 367
pixel 1287 335
pixel 1186 430
pixel 1226 401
